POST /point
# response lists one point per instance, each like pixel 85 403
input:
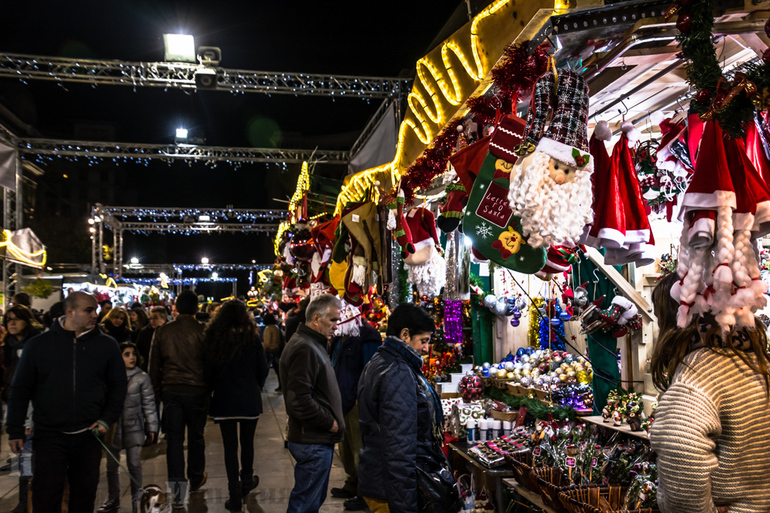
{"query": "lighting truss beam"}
pixel 194 228
pixel 172 152
pixel 180 268
pixel 182 76
pixel 178 213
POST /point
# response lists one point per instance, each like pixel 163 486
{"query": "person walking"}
pixel 117 324
pixel 139 416
pixel 272 341
pixel 177 372
pixel 713 417
pixel 75 378
pixel 349 356
pixel 158 317
pixel 237 370
pixel 400 415
pixel 313 404
pixel 20 325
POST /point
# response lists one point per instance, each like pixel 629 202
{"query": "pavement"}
pixel 272 462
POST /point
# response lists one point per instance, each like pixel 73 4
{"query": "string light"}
pixel 34 259
pixel 303 184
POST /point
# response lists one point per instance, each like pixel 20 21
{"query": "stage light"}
pixel 179 48
pixel 205 261
pixel 214 276
pixel 181 133
pixel 134 260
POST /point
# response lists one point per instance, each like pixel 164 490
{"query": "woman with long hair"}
pixel 712 424
pixel 138 318
pixel 117 324
pixel 237 370
pixel 20 325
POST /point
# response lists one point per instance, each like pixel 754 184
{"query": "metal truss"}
pixel 170 269
pixel 182 76
pixel 196 228
pixel 173 152
pixel 168 214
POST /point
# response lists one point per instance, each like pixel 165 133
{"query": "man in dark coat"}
pixel 313 403
pixel 76 379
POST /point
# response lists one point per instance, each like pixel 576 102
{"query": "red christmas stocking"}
pixel 452 209
pixel 401 232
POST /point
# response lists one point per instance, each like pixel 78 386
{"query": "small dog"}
pixel 154 500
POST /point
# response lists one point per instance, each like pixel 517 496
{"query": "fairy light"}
pixel 34 259
pixel 278 235
pixel 303 184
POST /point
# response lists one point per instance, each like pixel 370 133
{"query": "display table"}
pixel 624 428
pixel 527 494
pixel 489 478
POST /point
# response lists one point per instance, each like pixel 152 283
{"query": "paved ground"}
pixel 273 464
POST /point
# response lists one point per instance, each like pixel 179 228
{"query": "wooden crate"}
pixel 598 499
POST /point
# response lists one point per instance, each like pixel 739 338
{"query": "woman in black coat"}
pixel 237 370
pixel 400 415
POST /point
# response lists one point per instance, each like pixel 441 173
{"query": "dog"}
pixel 154 500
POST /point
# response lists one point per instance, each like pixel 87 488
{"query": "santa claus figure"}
pixel 550 186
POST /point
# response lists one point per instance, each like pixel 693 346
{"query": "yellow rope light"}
pixel 276 242
pixel 21 255
pixel 303 184
pixel 419 107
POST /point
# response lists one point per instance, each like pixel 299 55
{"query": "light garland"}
pixel 278 235
pixel 175 281
pixel 303 184
pixel 35 259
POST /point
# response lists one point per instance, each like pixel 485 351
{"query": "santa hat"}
pixel 508 134
pixel 756 175
pixel 665 157
pixel 422 225
pixel 609 226
pixel 558 260
pixel 323 237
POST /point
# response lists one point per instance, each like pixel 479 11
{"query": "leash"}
pixel 95 432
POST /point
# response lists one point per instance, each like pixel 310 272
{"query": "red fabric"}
pixel 756 151
pixel 468 161
pixel 712 173
pixel 694 135
pixel 607 203
pixel 739 162
pixel 629 189
pixel 508 134
pixel 323 234
pixel 422 224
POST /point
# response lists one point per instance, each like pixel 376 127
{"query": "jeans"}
pixel 311 476
pixel 134 465
pixel 229 429
pixel 25 459
pixel 58 456
pixel 180 411
pixel 349 448
pixel 272 363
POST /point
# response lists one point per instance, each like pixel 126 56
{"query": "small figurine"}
pixel 617 418
pixel 606 413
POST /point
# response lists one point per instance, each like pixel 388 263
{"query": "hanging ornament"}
pixel 684 23
pixel 564 316
pixel 501 307
pixel 515 321
pixel 490 302
pixel 704 95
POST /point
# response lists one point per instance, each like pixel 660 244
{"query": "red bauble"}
pixel 703 96
pixel 684 23
pixel 767 28
pixel 766 55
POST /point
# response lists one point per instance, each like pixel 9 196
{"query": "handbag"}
pixel 436 488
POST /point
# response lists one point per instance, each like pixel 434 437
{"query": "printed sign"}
pixel 494 206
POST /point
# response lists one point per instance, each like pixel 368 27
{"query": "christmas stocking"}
pixel 452 209
pixel 489 220
pixel 398 224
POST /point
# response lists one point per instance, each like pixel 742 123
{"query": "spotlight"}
pixel 214 276
pixel 181 133
pixel 134 260
pixel 179 48
pixel 205 261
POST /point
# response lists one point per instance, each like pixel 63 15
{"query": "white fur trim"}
pixel 602 131
pixel 632 134
pixel 423 244
pixel 636 236
pixel 430 277
pixel 702 233
pixel 563 153
pixel 706 201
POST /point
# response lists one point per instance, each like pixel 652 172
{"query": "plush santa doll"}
pixel 426 266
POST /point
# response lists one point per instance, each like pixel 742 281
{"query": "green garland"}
pixel 404 288
pixel 704 72
pixel 536 408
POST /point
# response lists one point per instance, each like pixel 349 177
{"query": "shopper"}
pixel 104 308
pixel 20 325
pixel 272 341
pixel 75 377
pixel 713 418
pixel 313 404
pixel 158 317
pixel 400 414
pixel 177 373
pixel 349 356
pixel 295 318
pixel 117 324
pixel 138 319
pixel 138 421
pixel 237 371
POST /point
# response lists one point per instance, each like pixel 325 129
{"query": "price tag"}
pixel 571 462
pixel 355 218
pixel 536 451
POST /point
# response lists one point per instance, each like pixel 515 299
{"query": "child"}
pixel 138 409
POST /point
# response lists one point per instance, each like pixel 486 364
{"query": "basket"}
pixel 597 499
pixel 522 472
pixel 509 416
pixel 516 390
pixel 551 482
pixel 502 384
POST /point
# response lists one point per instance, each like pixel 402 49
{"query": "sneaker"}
pixel 342 493
pixel 355 504
pixel 109 506
pixel 197 487
pixel 248 485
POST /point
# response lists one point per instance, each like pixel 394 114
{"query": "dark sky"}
pixel 352 38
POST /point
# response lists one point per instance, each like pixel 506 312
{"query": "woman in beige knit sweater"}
pixel 712 426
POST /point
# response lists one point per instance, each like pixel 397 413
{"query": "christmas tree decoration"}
pixel 470 387
pixel 426 266
pixel 452 208
pixel 550 186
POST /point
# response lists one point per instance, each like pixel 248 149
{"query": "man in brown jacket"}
pixel 177 372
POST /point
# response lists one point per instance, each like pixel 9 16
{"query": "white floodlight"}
pixel 179 48
pixel 205 260
pixel 214 276
pixel 181 133
pixel 134 260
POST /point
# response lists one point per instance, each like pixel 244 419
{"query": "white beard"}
pixel 551 214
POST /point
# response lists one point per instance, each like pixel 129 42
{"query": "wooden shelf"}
pixel 624 428
pixel 531 496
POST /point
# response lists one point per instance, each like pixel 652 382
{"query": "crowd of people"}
pixel 87 378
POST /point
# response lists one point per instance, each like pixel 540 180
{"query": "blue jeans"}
pixel 311 476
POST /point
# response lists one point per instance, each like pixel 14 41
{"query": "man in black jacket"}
pixel 76 379
pixel 313 403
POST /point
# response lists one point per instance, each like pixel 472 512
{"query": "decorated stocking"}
pixel 452 209
pixel 398 225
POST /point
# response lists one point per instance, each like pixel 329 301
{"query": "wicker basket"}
pixel 597 499
pixel 551 482
pixel 522 472
pixel 502 384
pixel 510 416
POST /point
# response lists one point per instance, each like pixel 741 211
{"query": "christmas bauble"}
pixel 501 374
pixel 510 375
pixel 555 321
pixel 767 28
pixel 526 366
pixel 684 23
pixel 703 95
pixel 490 301
pixel 525 381
pixel 302 250
pixel 470 387
pixel 509 366
pixel 564 316
pixel 515 321
pixel 486 365
pixel 518 365
pixel 509 357
pixel 525 358
pixel 517 313
pixel 501 307
pixel 520 352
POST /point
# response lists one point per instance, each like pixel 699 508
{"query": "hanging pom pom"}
pixel 631 132
pixel 602 131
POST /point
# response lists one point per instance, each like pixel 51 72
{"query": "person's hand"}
pixel 28 431
pixel 722 509
pixel 16 445
pixel 99 426
pixel 150 438
pixel 335 427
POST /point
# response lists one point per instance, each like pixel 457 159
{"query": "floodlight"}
pixel 181 133
pixel 179 48
pixel 134 260
pixel 214 276
pixel 205 260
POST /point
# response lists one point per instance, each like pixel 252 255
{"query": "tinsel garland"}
pixel 715 93
pixel 516 74
pixel 534 322
pixel 536 408
pixel 551 336
pixel 453 322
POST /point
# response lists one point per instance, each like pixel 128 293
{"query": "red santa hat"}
pixel 609 225
pixel 422 225
pixel 559 260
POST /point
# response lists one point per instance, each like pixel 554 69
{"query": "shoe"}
pixel 197 487
pixel 248 485
pixel 342 493
pixel 355 504
pixel 110 505
pixel 235 507
pixel 278 389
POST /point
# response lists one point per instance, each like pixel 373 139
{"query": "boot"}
pixel 248 483
pixel 109 506
pixel 235 502
pixel 23 495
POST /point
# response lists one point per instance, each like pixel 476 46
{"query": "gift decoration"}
pixel 550 187
pixel 489 221
pixel 426 266
pixel 620 318
pixel 452 208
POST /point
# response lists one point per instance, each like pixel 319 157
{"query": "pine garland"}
pixel 536 408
